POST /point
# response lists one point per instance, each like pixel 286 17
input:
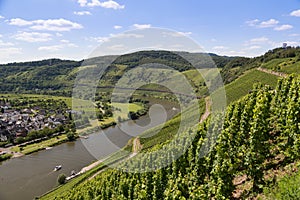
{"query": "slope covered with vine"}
pixel 260 133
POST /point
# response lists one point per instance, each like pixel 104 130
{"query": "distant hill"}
pixel 56 77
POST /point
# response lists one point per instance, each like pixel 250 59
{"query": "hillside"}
pixel 257 145
pixel 259 137
pixel 56 77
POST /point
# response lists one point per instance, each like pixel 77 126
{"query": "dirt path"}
pixel 268 71
pixel 207 110
pixel 136 145
pixel 91 166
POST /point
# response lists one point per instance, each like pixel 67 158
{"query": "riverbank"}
pixel 95 125
pixel 33 175
pixel 85 174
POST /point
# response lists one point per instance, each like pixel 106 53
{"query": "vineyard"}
pixel 241 86
pixel 260 135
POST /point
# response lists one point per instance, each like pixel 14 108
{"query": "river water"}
pixel 30 176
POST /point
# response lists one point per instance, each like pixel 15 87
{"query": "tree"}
pixel 61 179
pixel 71 136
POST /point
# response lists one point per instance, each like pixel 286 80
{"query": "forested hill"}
pixel 55 76
pixel 38 76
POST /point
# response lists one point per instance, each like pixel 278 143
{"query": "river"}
pixel 32 175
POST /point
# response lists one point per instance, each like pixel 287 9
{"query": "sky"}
pixel 72 29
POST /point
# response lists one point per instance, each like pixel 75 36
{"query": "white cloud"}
pixel 65 41
pixel 294 35
pixel 10 51
pixel 117 27
pixel 252 22
pixel 220 48
pixel 126 35
pixel 52 48
pixel 114 36
pixel 112 4
pixel 59 34
pixel 176 34
pixel 98 39
pixel 295 13
pixel 283 27
pixel 5 44
pixel 269 23
pixel 259 40
pixel 49 24
pixel 254 43
pixel 82 2
pixel 117 47
pixel 19 22
pixel 141 26
pixel 289 43
pixel 1 17
pixel 33 37
pixel 185 33
pixel 254 47
pixel 81 13
pixel 233 53
pixel 106 4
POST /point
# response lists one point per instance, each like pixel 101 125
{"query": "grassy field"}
pixel 120 112
pixel 241 86
pixel 285 65
pixel 28 149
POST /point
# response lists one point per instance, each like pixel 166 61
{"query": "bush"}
pixel 71 136
pixel 61 179
pixel 5 157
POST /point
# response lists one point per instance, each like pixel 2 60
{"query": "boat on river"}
pixel 58 167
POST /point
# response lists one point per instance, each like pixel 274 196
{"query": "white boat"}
pixel 58 167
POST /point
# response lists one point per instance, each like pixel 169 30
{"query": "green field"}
pixel 285 65
pixel 243 85
pixel 31 148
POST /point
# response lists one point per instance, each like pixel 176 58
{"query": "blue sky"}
pixel 71 29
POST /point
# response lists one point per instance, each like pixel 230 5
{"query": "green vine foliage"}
pixel 257 128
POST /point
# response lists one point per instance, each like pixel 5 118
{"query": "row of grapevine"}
pixel 256 128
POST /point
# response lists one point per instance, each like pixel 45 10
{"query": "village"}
pixel 18 123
